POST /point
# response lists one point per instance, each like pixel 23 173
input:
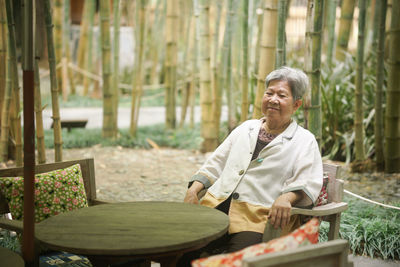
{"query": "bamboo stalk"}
pixel 331 21
pixel 83 35
pixel 358 106
pixel 380 68
pixel 58 38
pixel 392 114
pixel 280 44
pixel 137 85
pixel 267 51
pixel 308 60
pixel 15 117
pixel 116 23
pixel 39 116
pixel 245 77
pixel 66 43
pixel 216 88
pixel 108 104
pixel 346 19
pixel 5 114
pixel 315 122
pixel 171 61
pixel 53 82
pixel 88 60
pixel 3 51
pixel 208 130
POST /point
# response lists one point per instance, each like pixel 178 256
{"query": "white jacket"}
pixel 290 162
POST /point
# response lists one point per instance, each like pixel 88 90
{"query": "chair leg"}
pixel 334 225
pixel 271 233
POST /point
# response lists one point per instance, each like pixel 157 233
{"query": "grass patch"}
pixel 184 138
pixel 371 230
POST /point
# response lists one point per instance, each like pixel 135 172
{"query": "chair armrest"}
pixel 324 210
pixel 12 225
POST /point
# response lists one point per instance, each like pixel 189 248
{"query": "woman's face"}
pixel 278 104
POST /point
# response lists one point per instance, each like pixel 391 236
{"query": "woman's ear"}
pixel 297 104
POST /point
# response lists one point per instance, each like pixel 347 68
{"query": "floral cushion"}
pixel 55 192
pixel 323 195
pixel 305 235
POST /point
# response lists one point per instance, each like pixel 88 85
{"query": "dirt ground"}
pixel 125 174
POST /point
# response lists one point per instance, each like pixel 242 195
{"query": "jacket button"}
pixel 241 172
pixel 235 195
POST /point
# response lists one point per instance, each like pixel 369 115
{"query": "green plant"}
pixel 370 230
pixel 10 241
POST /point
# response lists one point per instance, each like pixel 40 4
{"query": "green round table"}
pixel 10 258
pixel 159 231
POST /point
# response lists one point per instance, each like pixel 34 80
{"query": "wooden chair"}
pixel 329 212
pixel 87 168
pixel 328 254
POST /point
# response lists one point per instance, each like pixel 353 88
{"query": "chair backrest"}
pixel 87 168
pixel 335 185
pixel 332 253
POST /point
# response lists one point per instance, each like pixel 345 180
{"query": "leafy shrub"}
pixel 370 230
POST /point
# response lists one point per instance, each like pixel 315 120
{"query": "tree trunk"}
pixel 331 21
pixel 267 51
pixel 116 23
pixel 392 117
pixel 108 98
pixel 170 62
pixel 380 72
pixel 358 107
pixel 346 19
pixel 53 82
pixel 91 5
pixel 280 44
pixel 315 122
pixel 137 85
pixel 245 48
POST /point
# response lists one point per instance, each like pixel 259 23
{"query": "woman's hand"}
pixel 191 193
pixel 279 214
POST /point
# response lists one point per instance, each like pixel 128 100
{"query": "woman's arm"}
pixel 191 193
pixel 279 214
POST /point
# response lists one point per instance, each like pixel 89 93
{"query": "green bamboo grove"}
pixel 211 58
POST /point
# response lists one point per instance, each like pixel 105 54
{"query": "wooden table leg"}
pixel 169 261
pixel 105 262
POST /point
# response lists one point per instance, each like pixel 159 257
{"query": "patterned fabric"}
pixel 55 192
pixel 305 235
pixel 323 195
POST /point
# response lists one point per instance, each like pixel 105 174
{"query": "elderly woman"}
pixel 264 167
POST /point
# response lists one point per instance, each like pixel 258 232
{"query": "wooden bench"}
pixel 69 124
pixel 87 168
pixel 329 212
pixel 328 254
